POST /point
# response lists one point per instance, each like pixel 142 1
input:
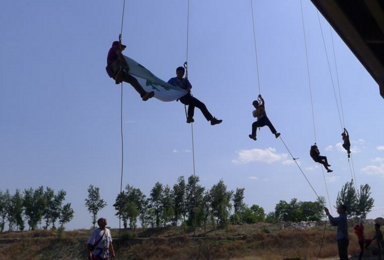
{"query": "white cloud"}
pixel 329 148
pixel 359 142
pixel 332 178
pixel 289 162
pixel 187 151
pixel 312 168
pixel 253 178
pixel 374 170
pixel 340 148
pixel 175 151
pixel 380 148
pixel 378 160
pixel 257 155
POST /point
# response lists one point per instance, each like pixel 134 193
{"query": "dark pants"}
pixel 119 72
pixel 323 160
pixel 264 121
pixel 362 246
pixel 193 102
pixel 342 245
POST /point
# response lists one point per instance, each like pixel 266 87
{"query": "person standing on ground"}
pixel 342 230
pixel 99 246
pixel 188 99
pixel 379 240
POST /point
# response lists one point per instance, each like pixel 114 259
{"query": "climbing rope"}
pixel 330 73
pixel 310 89
pixel 255 46
pixel 308 71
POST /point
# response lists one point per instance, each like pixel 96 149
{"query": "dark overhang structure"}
pixel 360 23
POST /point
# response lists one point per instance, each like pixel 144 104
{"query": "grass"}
pixel 260 241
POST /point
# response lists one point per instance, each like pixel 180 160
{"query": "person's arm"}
pixel 121 57
pixel 89 252
pixel 189 86
pixel 112 250
pixel 262 100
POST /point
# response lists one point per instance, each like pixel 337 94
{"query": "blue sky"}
pixel 60 112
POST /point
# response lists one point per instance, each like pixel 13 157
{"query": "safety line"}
pixel 326 188
pixel 330 72
pixel 308 70
pixel 294 159
pixel 255 46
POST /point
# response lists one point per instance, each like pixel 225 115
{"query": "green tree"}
pixel 156 201
pixel 312 211
pixel 239 206
pixel 49 194
pixel 254 214
pixel 348 197
pixel 18 210
pixel 364 202
pixel 54 208
pixel 271 217
pixel 34 205
pixel 221 202
pixel 194 200
pixel 66 215
pixel 179 190
pixel 3 211
pixel 122 208
pixel 167 205
pixel 10 217
pixel 94 202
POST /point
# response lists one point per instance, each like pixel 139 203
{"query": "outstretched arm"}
pixel 262 99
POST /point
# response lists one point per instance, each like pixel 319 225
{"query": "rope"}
pixel 326 188
pixel 330 73
pixel 308 71
pixel 255 45
pixel 121 130
pixel 322 240
pixel 302 172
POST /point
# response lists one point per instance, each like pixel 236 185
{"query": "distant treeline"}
pixel 36 207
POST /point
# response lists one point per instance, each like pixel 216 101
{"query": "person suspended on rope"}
pixel 315 154
pixel 118 69
pixel 347 143
pixel 262 119
pixel 188 99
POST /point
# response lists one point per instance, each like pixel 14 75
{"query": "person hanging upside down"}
pixel 262 119
pixel 118 69
pixel 189 100
pixel 315 154
pixel 347 143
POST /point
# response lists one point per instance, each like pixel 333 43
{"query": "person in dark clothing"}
pixel 379 240
pixel 315 154
pixel 118 69
pixel 262 119
pixel 347 143
pixel 342 230
pixel 188 99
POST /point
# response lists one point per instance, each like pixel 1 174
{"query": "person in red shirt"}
pixel 117 68
pixel 363 243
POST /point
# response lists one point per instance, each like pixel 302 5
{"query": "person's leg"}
pixel 269 124
pixel 254 128
pixel 194 102
pixel 343 248
pixel 380 249
pixel 361 244
pixel 133 81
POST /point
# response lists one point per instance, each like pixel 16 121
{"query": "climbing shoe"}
pixel 215 121
pixel 253 137
pixel 277 135
pixel 190 120
pixel 329 170
pixel 148 95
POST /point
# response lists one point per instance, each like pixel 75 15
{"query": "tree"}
pixel 347 197
pixel 167 205
pixel 312 211
pixel 364 202
pixel 17 205
pixel 54 208
pixel 94 202
pixel 156 201
pixel 3 211
pixel 66 214
pixel 253 214
pixel 48 197
pixel 121 208
pixel 297 211
pixel 239 206
pixel 179 200
pixel 194 200
pixel 34 204
pixel 221 202
pixel 9 210
pixel 271 217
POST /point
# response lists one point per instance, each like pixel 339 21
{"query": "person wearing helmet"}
pixel 118 69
